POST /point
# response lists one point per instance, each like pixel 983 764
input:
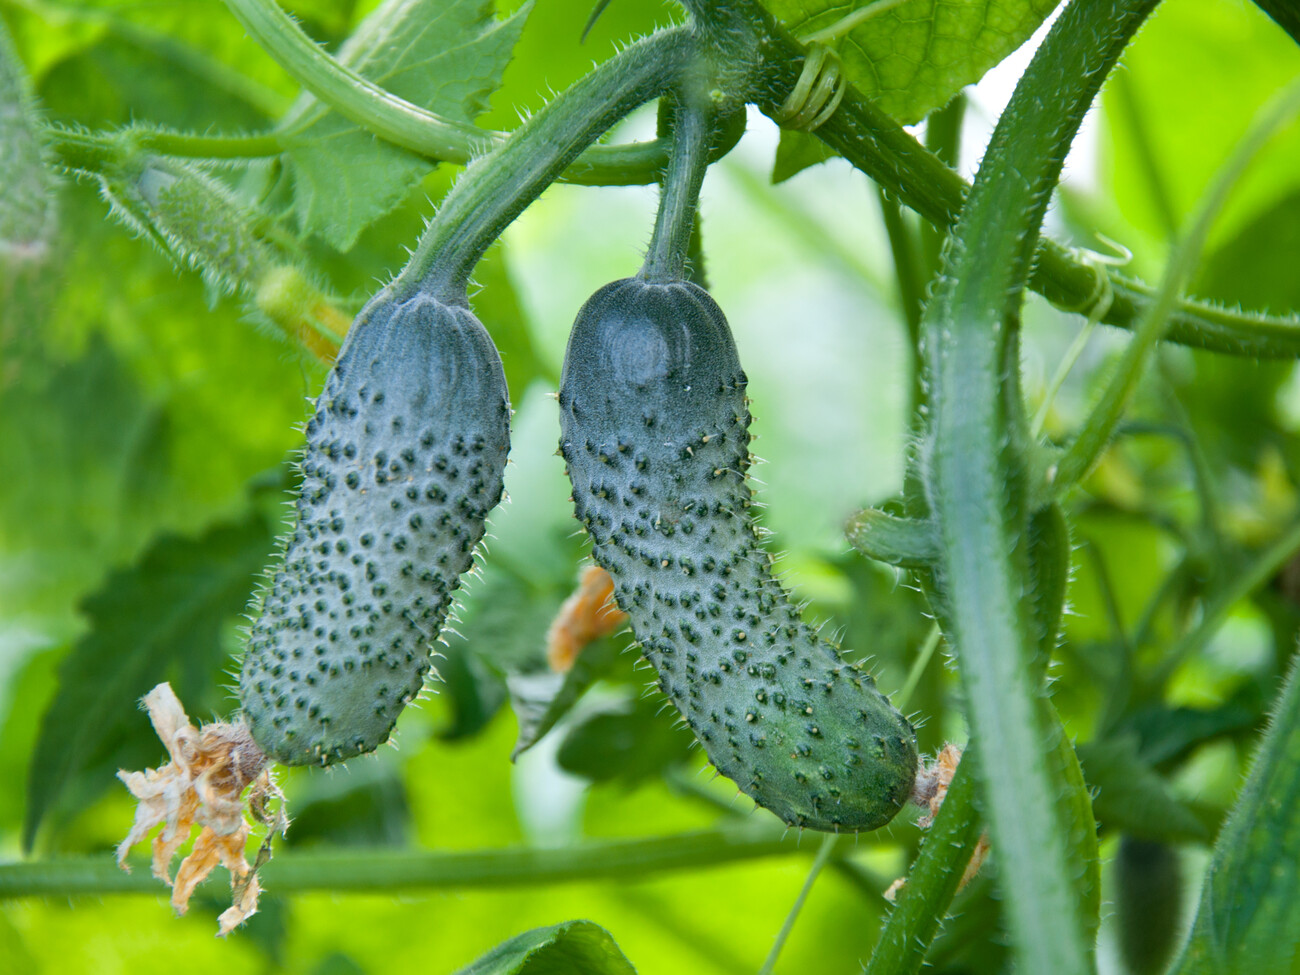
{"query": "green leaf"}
pixel 446 57
pixel 1254 268
pixel 166 611
pixel 1131 797
pixel 571 948
pixel 914 56
pixel 795 152
pixel 1249 915
pixel 542 699
pixel 368 808
pixel 627 741
pixel 1166 734
pixel 472 691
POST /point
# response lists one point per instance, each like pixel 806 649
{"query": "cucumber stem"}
pixel 499 186
pixel 680 196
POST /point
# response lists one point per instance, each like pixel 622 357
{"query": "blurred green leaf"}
pixel 1249 915
pixel 165 611
pixel 912 57
pixel 367 808
pixel 473 692
pixel 1131 797
pixel 446 57
pixel 1255 267
pixel 571 948
pixel 552 54
pixel 14 951
pixel 1166 734
pixel 1191 119
pixel 27 186
pixel 1286 15
pixel 541 699
pixel 627 741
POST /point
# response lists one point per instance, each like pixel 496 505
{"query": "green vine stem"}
pixel 87 150
pixel 880 147
pixel 407 125
pixel 498 186
pixel 824 852
pixel 974 465
pixel 352 96
pixel 679 200
pixel 406 869
pixel 931 883
pixel 1095 436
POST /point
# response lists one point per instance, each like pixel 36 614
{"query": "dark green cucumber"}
pixel 656 437
pixel 403 461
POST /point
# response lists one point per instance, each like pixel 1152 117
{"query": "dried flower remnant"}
pixel 203 784
pixel 587 615
pixel 929 791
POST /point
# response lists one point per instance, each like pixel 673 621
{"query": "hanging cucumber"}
pixel 403 461
pixel 654 425
pixel 405 453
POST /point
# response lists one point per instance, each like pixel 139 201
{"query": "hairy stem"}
pixel 931 883
pixel 975 468
pixel 680 196
pixel 885 151
pixel 407 869
pixel 498 186
pixel 1093 439
pixel 410 126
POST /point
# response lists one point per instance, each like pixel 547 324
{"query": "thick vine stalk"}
pixel 410 870
pixel 974 466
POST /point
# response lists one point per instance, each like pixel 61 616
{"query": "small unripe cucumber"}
pixel 655 431
pixel 403 461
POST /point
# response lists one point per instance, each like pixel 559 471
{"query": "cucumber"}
pixel 655 434
pixel 403 462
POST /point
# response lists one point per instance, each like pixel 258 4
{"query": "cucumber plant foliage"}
pixel 396 477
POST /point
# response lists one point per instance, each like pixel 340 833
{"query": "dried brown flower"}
pixel 204 784
pixel 929 791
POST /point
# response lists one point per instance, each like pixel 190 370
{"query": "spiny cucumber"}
pixel 403 461
pixel 655 434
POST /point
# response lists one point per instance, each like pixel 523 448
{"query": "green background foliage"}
pixel 148 424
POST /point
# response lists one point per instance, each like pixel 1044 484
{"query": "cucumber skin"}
pixel 403 461
pixel 655 434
